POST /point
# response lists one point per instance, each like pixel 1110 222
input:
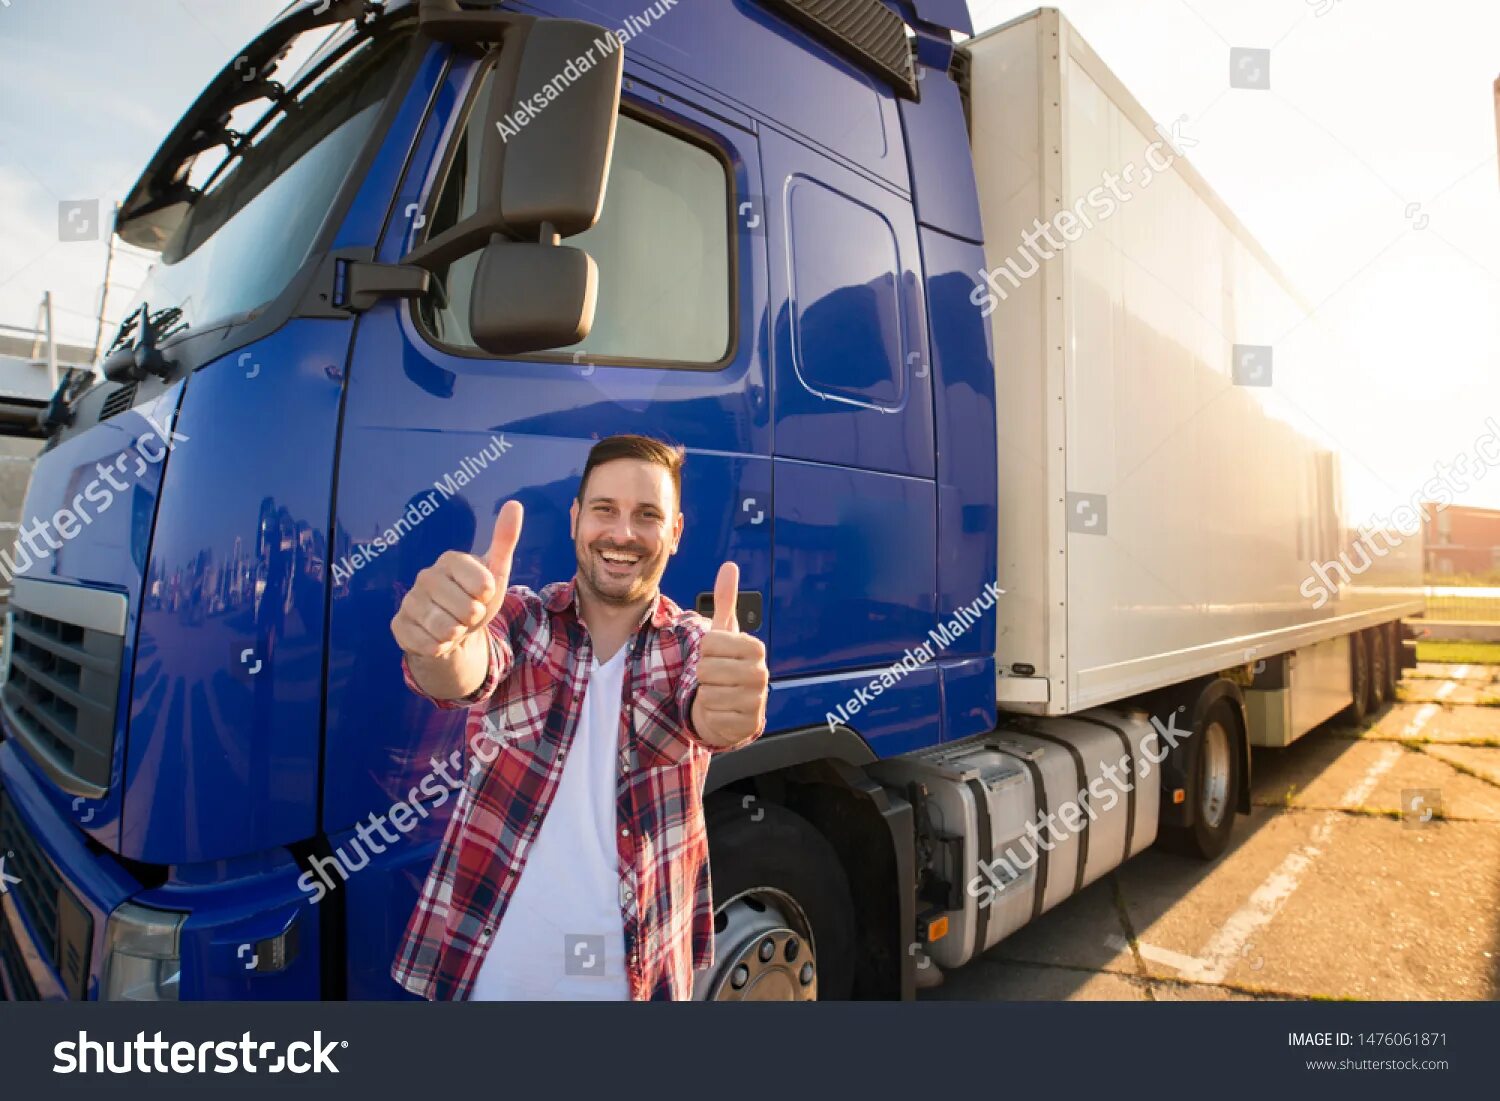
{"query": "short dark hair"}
pixel 644 448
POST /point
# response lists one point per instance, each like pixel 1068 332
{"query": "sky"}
pixel 1367 169
pixel 88 90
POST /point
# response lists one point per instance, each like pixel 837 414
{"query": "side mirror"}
pixel 548 135
pixel 529 297
pixel 549 131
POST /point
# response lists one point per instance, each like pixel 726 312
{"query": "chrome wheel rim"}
pixel 763 951
pixel 1214 795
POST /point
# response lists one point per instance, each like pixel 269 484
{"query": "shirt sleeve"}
pixel 687 685
pixel 500 635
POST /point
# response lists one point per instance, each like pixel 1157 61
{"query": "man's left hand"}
pixel 730 707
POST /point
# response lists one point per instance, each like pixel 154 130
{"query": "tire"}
pixel 1214 788
pixel 1359 680
pixel 1379 653
pixel 778 889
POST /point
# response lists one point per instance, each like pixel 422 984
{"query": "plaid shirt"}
pixel 528 707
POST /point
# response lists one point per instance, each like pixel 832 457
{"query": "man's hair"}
pixel 643 448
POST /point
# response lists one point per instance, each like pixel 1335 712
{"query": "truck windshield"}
pixel 263 204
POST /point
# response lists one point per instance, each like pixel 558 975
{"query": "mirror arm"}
pixel 464 239
pixel 367 283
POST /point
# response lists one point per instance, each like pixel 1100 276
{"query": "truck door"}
pixel 856 503
pixel 437 434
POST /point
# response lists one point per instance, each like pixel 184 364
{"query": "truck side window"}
pixel 662 246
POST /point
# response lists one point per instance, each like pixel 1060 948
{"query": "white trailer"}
pixel 1162 509
pixel 1165 504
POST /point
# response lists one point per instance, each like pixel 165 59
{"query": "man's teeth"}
pixel 622 559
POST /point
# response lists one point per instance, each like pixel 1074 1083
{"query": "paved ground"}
pixel 1328 890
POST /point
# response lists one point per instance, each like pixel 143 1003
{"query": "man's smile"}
pixel 618 563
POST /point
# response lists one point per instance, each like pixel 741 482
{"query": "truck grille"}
pixel 67 646
pixel 64 927
pixel 14 968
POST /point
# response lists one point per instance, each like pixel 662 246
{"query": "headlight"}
pixel 142 957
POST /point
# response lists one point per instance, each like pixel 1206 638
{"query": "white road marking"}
pixel 1356 796
pixel 1228 944
pixel 1420 719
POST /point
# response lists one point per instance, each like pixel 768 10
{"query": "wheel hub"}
pixel 763 952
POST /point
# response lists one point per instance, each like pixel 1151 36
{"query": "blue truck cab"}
pixel 213 781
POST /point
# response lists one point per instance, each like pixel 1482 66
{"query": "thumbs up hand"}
pixel 730 707
pixel 441 624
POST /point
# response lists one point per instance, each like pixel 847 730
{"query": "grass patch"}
pixel 1459 653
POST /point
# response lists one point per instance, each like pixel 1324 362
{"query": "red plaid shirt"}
pixel 521 724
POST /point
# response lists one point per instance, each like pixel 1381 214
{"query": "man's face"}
pixel 625 530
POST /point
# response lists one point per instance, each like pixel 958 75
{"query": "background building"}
pixel 26 386
pixel 1461 540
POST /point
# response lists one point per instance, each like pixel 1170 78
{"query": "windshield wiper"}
pixel 135 361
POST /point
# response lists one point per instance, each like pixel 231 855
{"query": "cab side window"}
pixel 662 247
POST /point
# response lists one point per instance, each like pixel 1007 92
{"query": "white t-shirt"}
pixel 562 938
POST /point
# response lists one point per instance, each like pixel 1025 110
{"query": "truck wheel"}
pixel 783 919
pixel 1214 787
pixel 1380 655
pixel 1359 680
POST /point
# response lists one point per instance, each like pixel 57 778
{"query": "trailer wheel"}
pixel 1392 635
pixel 1380 654
pixel 783 918
pixel 1359 680
pixel 1214 787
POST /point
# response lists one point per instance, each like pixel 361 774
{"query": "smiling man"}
pixel 575 865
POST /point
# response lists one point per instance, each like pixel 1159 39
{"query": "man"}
pixel 589 881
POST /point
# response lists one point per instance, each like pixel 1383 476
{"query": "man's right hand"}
pixel 441 624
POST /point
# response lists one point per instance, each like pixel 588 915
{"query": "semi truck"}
pixel 996 429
